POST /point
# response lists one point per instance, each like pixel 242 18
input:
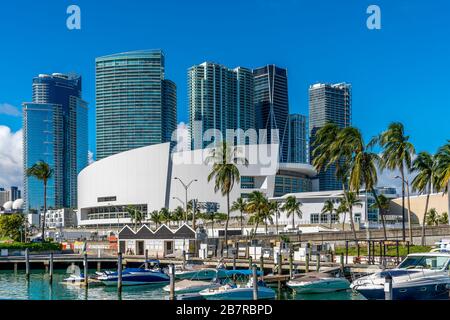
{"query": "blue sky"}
pixel 398 73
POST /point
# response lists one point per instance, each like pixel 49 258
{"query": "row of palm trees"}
pixel 355 164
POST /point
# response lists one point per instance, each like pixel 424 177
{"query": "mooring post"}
pixel 255 282
pixel 250 262
pixel 346 252
pixel 234 261
pixel 307 263
pixel 50 262
pixel 388 287
pixel 172 281
pixel 280 263
pixel 184 259
pixel 146 259
pixel 398 252
pixel 381 252
pixel 342 263
pixel 99 266
pixel 407 246
pixel 15 267
pixel 27 263
pixel 119 273
pixel 368 253
pixel 359 248
pixel 86 270
pixel 291 265
pixel 261 264
pixel 318 262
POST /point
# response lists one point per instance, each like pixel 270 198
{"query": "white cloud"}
pixel 11 170
pixel 9 110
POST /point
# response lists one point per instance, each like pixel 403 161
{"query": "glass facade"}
pixel 272 105
pixel 132 109
pixel 298 139
pixel 328 103
pixel 55 131
pixel 291 183
pixel 220 98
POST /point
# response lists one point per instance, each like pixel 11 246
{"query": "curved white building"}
pixel 145 178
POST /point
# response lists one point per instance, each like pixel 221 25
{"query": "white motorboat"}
pixel 237 291
pixel 196 270
pixel 421 276
pixel 318 283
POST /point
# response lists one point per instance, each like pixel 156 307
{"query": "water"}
pixel 13 286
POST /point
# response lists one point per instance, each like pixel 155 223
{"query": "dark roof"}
pixel 185 232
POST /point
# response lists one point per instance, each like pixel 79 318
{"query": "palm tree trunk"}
pixel 45 211
pixel 226 223
pixel 293 220
pixel 242 224
pixel 343 221
pixel 425 217
pixel 409 216
pixel 265 220
pixel 352 223
pixel 381 213
pixel 330 220
pixel 276 221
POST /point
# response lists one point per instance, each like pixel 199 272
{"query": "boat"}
pixel 194 285
pixel 196 270
pixel 318 283
pixel 421 276
pixel 136 276
pixel 233 290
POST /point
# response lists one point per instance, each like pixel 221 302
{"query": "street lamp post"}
pixel 186 188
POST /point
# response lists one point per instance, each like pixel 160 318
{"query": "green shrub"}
pixel 33 247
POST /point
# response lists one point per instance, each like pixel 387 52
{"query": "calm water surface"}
pixel 14 286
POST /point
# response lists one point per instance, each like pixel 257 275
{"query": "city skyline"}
pixel 387 83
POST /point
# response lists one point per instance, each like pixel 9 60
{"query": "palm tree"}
pixel 166 217
pixel 443 218
pixel 240 205
pixel 443 167
pixel 225 173
pixel 351 200
pixel 328 208
pixel 213 216
pixel 192 214
pixel 292 207
pixel 397 154
pixel 43 172
pixel 258 206
pixel 342 208
pixel 156 218
pixel 426 177
pixel 382 204
pixel 275 208
pixel 178 215
pixel 135 215
pixel 432 217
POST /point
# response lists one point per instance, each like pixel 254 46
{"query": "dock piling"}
pixel 50 262
pixel 255 283
pixel 388 287
pixel 318 262
pixel 250 262
pixel 342 263
pixel 398 252
pixel 280 263
pixel 307 263
pixel 146 259
pixel 291 265
pixel 172 281
pixel 85 263
pixel 234 260
pixel 27 263
pixel 261 264
pixel 119 273
pixel 184 259
pixel 99 266
pixel 15 267
pixel 346 252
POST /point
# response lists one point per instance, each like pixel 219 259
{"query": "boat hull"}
pixel 136 279
pixel 264 293
pixel 322 286
pixel 197 275
pixel 421 292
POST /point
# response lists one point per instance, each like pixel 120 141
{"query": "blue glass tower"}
pixel 55 131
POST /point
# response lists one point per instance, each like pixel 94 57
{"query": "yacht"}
pixel 421 276
pixel 196 270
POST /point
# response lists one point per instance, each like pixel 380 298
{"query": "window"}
pixel 314 218
pixel 106 199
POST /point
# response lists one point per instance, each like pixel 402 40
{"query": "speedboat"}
pixel 238 291
pixel 196 270
pixel 194 285
pixel 136 276
pixel 318 283
pixel 421 276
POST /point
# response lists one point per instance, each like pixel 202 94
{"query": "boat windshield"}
pixel 424 262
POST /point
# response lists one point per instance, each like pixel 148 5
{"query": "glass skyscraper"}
pixel 135 105
pixel 272 105
pixel 55 128
pixel 220 98
pixel 328 103
pixel 298 139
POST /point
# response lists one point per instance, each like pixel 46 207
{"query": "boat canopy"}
pixel 241 272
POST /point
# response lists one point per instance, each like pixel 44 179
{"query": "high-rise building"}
pixel 272 105
pixel 220 99
pixel 298 139
pixel 328 103
pixel 55 126
pixel 135 105
pixel 4 196
pixel 14 194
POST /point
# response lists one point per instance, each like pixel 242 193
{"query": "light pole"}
pixel 181 201
pixel 405 182
pixel 186 188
